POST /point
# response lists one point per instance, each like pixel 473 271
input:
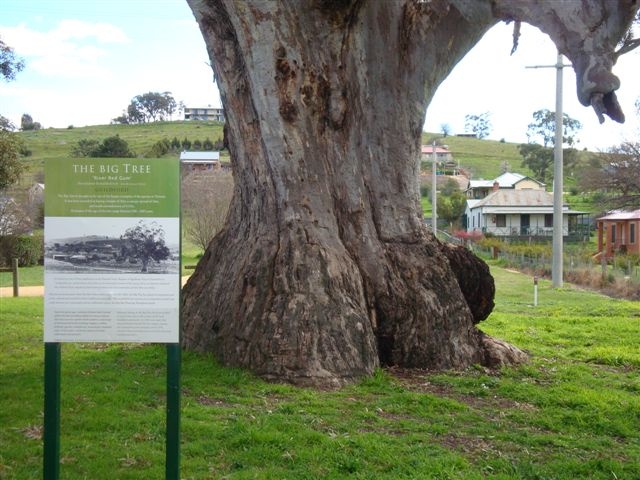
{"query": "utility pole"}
pixel 434 186
pixel 558 224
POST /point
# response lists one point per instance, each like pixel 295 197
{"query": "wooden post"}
pixel 16 282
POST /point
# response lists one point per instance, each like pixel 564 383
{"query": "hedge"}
pixel 29 250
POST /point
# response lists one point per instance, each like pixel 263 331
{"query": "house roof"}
pixel 517 198
pixel 199 157
pixel 520 201
pixel 506 180
pixel 622 215
pixel 428 149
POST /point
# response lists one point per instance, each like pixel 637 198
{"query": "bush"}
pixel 114 147
pixel 160 148
pixel 84 148
pixel 29 250
pixel 110 147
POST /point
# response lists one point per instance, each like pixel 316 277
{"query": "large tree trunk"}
pixel 325 269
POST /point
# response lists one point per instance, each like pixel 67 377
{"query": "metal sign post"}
pixel 51 434
pixel 112 273
pixel 172 462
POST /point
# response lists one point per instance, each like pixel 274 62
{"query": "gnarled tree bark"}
pixel 324 269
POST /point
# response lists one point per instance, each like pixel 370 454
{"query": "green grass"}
pixel 191 254
pixel 483 158
pixel 27 276
pixel 572 412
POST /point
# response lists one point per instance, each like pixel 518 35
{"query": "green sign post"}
pixel 112 273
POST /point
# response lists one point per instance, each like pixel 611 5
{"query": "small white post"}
pixel 535 291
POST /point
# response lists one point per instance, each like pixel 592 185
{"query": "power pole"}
pixel 434 186
pixel 558 223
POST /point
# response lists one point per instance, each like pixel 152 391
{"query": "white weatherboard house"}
pixel 478 189
pixel 523 212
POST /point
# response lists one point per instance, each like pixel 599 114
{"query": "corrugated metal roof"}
pixel 517 198
pixel 622 215
pixel 200 156
pixel 480 183
pixel 506 180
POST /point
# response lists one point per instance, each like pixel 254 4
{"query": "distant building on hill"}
pixel 200 161
pixel 204 113
pixel 446 165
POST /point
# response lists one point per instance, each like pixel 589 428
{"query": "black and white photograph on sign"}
pixel 106 245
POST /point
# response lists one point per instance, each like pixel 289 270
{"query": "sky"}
pixel 86 59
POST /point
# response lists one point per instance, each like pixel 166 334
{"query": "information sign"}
pixel 112 259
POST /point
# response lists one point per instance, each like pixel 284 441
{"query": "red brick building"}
pixel 618 233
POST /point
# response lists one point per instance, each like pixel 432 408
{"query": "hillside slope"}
pixel 57 143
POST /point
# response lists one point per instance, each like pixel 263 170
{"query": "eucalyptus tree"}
pixel 324 269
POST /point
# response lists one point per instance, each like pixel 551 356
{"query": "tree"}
pixel 451 202
pixel 149 107
pixel 146 243
pixel 10 144
pixel 324 269
pixel 544 127
pixel 478 124
pixel 110 147
pixel 10 166
pixel 6 124
pixel 539 159
pixel 445 129
pixel 10 65
pixel 27 123
pixel 85 147
pixel 617 175
pixel 205 201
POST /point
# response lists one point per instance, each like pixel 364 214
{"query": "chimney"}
pixel 496 187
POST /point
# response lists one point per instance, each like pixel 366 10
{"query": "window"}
pixel 501 220
pixel 632 233
pixel 613 234
pixel 548 220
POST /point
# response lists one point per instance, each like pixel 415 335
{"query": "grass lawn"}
pixel 572 412
pixel 27 276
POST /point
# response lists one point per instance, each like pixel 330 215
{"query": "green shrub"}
pixel 29 250
pixel 113 147
pixel 85 147
pixel 160 148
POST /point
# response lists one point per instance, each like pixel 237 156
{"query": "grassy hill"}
pixel 482 158
pixel 57 143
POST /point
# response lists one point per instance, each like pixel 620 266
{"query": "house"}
pixel 519 213
pixel 618 233
pixel 200 161
pixel 204 113
pixel 478 189
pixel 445 163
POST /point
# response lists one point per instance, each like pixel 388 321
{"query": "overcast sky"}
pixel 86 60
